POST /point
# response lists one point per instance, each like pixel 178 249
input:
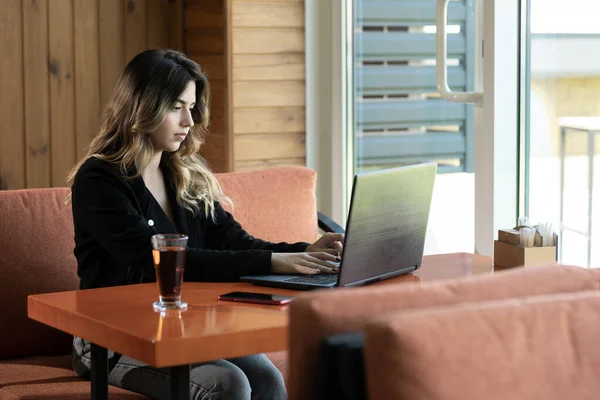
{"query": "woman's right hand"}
pixel 303 263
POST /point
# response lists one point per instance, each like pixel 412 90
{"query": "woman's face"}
pixel 177 122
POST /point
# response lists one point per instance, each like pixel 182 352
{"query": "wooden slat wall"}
pixel 268 83
pixel 253 54
pixel 60 61
pixel 62 90
pixel 12 141
pixel 37 113
pixel 206 43
pixel 87 73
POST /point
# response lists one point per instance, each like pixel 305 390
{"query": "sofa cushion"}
pixel 542 347
pixel 36 232
pixel 315 316
pixel 276 204
pixel 48 378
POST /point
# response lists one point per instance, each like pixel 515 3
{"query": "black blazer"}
pixel 115 217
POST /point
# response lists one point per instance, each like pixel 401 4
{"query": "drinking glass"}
pixel 168 253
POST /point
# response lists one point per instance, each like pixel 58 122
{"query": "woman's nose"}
pixel 187 121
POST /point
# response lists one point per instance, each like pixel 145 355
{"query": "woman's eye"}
pixel 176 108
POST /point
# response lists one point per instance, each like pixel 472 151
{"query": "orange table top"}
pixel 122 319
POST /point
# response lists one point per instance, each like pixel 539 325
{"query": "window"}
pixel 561 123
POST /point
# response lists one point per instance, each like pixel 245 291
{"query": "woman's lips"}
pixel 180 136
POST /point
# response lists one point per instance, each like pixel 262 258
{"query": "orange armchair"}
pixel 316 316
pixel 539 347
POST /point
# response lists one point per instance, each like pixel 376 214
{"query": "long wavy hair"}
pixel 149 88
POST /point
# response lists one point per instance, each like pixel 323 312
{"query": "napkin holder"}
pixel 508 252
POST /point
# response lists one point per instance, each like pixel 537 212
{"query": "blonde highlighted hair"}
pixel 149 88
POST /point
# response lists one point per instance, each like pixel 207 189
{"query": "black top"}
pixel 115 217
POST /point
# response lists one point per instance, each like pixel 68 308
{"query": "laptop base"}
pixel 283 282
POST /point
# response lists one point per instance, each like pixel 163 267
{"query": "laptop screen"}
pixel 387 222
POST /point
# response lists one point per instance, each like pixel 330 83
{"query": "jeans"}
pixel 244 378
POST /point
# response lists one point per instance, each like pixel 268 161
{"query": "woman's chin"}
pixel 173 148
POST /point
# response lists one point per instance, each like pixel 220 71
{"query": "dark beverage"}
pixel 169 265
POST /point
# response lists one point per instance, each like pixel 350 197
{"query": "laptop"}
pixel 385 230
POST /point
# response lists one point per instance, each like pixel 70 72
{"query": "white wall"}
pixel 565 56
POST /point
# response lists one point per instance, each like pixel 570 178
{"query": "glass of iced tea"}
pixel 168 252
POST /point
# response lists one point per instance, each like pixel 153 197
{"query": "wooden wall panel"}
pixel 136 30
pixel 206 43
pixel 268 93
pixel 37 113
pixel 62 91
pixel 268 14
pixel 202 14
pixel 12 140
pixel 87 73
pixel 177 18
pixel 158 28
pixel 273 1
pixel 275 66
pixel 268 41
pixel 269 146
pixel 268 83
pixel 244 166
pixel 60 62
pixel 253 54
pixel 213 66
pixel 112 48
pixel 269 120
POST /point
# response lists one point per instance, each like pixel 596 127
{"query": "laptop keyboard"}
pixel 321 279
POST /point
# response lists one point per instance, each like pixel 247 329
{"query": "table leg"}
pixel 180 383
pixel 99 372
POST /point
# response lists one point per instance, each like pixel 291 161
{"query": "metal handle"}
pixel 441 18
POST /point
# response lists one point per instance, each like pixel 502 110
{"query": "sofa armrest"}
pixel 328 225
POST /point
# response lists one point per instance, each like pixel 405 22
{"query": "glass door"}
pixel 397 55
pixel 398 115
pixel 561 123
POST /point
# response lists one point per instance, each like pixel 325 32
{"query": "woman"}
pixel 142 175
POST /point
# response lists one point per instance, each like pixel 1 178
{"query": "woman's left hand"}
pixel 332 243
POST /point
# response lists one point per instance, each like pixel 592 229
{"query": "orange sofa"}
pixel 394 354
pixel 538 347
pixel 36 256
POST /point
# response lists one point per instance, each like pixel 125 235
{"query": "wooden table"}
pixel 122 319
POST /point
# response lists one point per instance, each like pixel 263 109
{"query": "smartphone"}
pixel 261 298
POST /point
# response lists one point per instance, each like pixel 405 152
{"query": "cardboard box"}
pixel 511 255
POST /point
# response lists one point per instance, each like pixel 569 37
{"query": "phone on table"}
pixel 261 298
